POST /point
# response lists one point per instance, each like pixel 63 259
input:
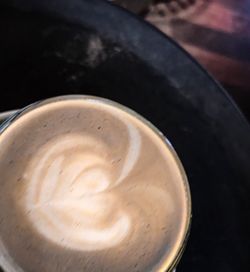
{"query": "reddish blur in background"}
pixel 215 32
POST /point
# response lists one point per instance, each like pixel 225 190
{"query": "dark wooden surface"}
pixel 217 34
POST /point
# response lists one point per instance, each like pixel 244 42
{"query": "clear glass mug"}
pixel 169 265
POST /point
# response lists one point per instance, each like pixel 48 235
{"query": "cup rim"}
pixel 165 266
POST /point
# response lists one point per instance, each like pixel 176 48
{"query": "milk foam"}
pixel 74 203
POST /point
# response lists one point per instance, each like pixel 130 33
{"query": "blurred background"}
pixel 215 32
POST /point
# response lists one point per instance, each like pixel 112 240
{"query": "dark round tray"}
pixel 50 48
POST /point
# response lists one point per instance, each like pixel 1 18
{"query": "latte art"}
pixel 88 186
pixel 73 200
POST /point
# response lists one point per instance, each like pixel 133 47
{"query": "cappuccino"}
pixel 88 185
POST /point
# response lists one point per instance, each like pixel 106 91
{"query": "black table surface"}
pixel 63 47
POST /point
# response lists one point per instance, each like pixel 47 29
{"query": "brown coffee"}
pixel 87 185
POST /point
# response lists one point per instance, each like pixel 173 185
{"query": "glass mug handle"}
pixel 6 114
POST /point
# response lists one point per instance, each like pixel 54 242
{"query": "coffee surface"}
pixel 87 186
